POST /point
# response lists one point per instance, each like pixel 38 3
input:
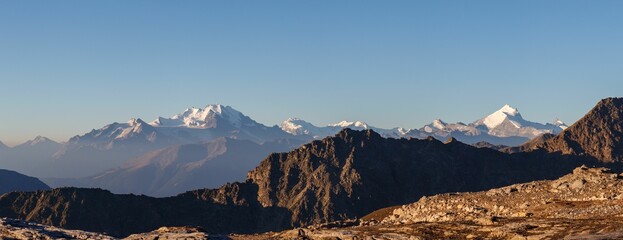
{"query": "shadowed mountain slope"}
pixel 345 176
pixel 14 181
pixel 598 135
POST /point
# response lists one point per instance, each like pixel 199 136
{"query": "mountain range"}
pixel 347 175
pixel 162 157
pixel 179 168
pixel 505 126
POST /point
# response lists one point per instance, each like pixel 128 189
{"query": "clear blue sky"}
pixel 67 67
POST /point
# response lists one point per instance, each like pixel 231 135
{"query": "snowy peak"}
pixel 38 140
pixel 297 126
pixel 557 122
pixel 439 124
pixel 347 124
pixel 499 116
pixel 509 110
pixel 136 122
pixel 436 125
pixel 508 122
pixel 202 117
pixel 135 127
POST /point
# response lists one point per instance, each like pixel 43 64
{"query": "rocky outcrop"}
pixel 542 199
pixel 357 172
pixel 598 135
pixel 120 215
pixel 585 204
pixel 16 229
pixel 345 176
pixel 484 144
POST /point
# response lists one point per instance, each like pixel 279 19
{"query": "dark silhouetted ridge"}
pixel 598 134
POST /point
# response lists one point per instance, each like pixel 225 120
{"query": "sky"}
pixel 67 67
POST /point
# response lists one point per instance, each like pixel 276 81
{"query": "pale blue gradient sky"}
pixel 69 66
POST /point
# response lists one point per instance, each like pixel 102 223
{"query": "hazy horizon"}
pixel 72 66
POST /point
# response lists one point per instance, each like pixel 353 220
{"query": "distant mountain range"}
pixel 180 168
pixel 347 175
pixel 30 157
pixel 11 181
pixel 165 156
pixel 505 126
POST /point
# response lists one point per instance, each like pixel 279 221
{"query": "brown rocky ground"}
pixel 16 229
pixel 586 204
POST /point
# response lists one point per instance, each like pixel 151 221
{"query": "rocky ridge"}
pixel 14 181
pixel 585 204
pixel 597 192
pixel 340 177
pixel 597 135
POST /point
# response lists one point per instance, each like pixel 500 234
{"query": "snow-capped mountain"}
pixel 115 143
pixel 112 145
pixel 38 141
pixel 560 124
pixel 299 127
pixel 505 126
pixel 436 125
pixel 206 118
pixel 508 122
pixel 359 125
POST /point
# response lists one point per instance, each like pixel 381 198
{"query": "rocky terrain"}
pixel 16 229
pixel 597 135
pixel 341 177
pixel 586 204
pixel 346 176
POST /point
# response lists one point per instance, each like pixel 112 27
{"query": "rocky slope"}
pixel 16 229
pixel 541 199
pixel 120 215
pixel 585 204
pixel 345 176
pixel 355 172
pixel 14 181
pixel 599 135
